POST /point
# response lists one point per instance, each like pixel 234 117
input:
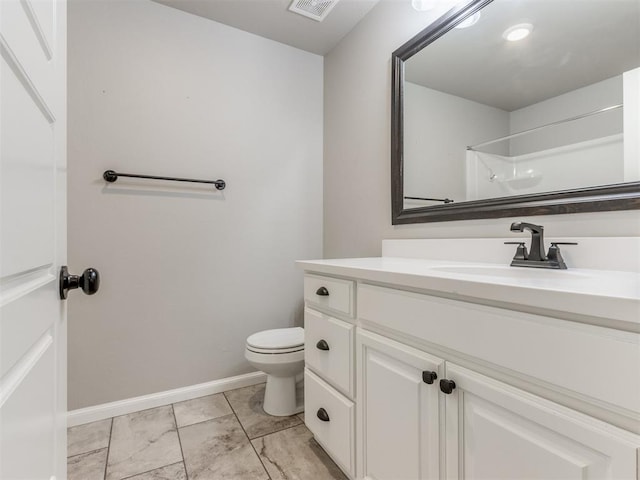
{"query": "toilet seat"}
pixel 275 351
pixel 277 341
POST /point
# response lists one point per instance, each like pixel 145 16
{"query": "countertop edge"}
pixel 591 308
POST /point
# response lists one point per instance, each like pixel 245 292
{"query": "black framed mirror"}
pixel 484 126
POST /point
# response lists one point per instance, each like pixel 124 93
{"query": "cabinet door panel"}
pixel 495 431
pixel 398 412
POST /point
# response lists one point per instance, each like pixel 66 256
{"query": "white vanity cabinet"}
pixel 531 394
pixel 489 429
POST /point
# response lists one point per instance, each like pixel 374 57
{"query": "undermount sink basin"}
pixel 508 272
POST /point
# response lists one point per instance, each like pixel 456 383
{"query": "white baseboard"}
pixel 135 404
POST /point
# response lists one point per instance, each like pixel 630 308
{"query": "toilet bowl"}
pixel 280 354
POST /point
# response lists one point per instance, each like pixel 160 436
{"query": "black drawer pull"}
pixel 322 345
pixel 429 377
pixel 323 415
pixel 447 386
pixel 323 292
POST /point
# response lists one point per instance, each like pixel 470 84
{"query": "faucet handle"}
pixel 554 254
pixel 521 251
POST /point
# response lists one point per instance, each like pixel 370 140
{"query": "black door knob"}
pixel 447 386
pixel 89 281
pixel 429 376
pixel 323 292
pixel 323 415
pixel 322 345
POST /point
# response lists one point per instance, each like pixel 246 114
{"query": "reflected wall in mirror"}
pixel 487 126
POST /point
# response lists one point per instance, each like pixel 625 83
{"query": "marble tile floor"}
pixel 226 436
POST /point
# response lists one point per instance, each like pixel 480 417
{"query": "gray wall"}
pixel 357 184
pixel 187 273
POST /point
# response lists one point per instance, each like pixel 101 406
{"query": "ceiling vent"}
pixel 315 9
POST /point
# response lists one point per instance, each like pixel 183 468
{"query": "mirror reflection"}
pixel 524 97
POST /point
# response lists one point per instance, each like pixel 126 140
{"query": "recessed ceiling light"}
pixel 517 32
pixel 472 20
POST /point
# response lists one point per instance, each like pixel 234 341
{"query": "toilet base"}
pixel 280 397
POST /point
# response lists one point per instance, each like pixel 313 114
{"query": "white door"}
pixel 498 432
pixel 398 410
pixel 32 239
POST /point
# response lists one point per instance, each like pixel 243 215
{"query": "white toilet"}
pixel 280 354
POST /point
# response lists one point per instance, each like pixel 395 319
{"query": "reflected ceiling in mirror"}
pixel 483 120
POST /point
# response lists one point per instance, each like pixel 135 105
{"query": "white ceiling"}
pixel 574 43
pixel 272 19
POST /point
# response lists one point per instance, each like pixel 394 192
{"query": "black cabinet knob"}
pixel 89 281
pixel 323 292
pixel 322 415
pixel 447 386
pixel 429 376
pixel 322 345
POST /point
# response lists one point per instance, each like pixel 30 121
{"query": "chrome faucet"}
pixel 536 257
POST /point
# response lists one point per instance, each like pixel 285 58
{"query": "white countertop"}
pixel 590 294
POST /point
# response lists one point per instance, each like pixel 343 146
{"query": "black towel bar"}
pixel 444 200
pixel 111 176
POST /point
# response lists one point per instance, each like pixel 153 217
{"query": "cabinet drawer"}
pixel 335 364
pixel 336 435
pixel 338 294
